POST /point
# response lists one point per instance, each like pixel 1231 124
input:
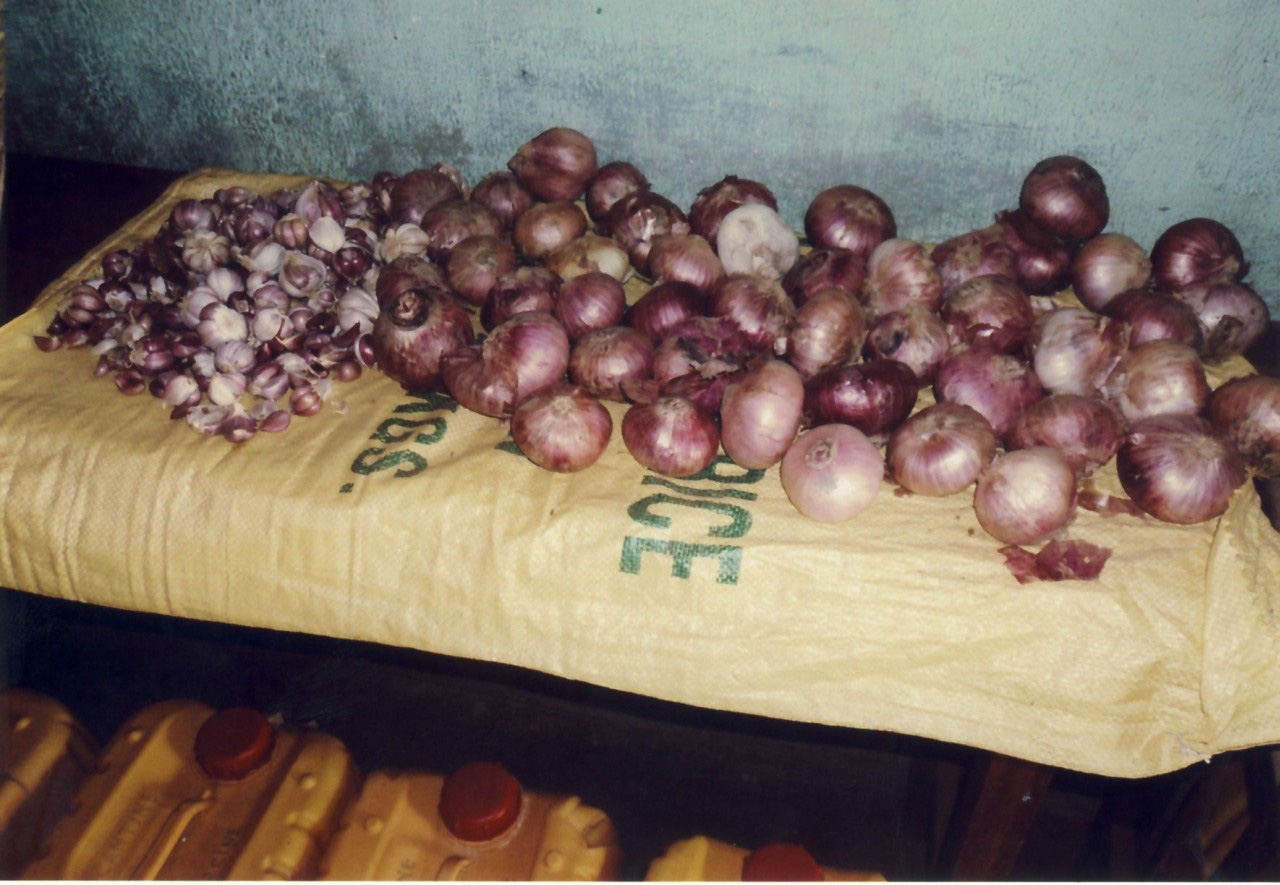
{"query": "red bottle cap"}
pixel 781 862
pixel 234 742
pixel 480 801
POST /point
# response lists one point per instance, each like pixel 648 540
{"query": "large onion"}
pixel 941 449
pixel 671 436
pixel 1175 468
pixel 414 331
pixel 849 217
pixel 1066 198
pixel 1195 251
pixel 760 414
pixel 1246 413
pixel 1026 495
pixel 564 428
pixel 831 473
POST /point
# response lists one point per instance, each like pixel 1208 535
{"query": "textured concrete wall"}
pixel 941 108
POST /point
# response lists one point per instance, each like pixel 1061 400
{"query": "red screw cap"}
pixel 234 742
pixel 781 862
pixel 480 801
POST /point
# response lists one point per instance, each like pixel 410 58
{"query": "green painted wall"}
pixel 940 107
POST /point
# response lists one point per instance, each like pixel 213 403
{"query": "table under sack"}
pixel 403 519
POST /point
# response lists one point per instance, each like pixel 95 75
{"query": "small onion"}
pixel 605 360
pixel 612 182
pixel 556 164
pixel 874 397
pixel 999 386
pixel 1176 469
pixel 901 273
pixel 1075 350
pixel 716 201
pixel 448 224
pixel 1087 430
pixel 590 253
pixel 664 306
pixel 914 335
pixel 414 331
pixel 1026 495
pixel 941 449
pixel 478 262
pixel 828 329
pixel 820 269
pixel 973 254
pixel 831 473
pixel 502 194
pixel 1245 412
pixel 761 413
pixel 1043 263
pixel 758 306
pixel 416 193
pixel 1066 198
pixel 671 436
pixel 685 258
pixel 546 227
pixel 564 429
pixel 849 217
pixel 588 301
pixel 1195 251
pixel 1106 266
pixel 992 310
pixel 1158 377
pixel 1154 315
pixel 524 355
pixel 753 239
pixel 1232 317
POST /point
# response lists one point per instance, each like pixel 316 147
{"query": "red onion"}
pixel 758 306
pixel 831 473
pixel 564 428
pixel 555 164
pixel 414 331
pixel 590 301
pixel 685 258
pixel 590 253
pixel 1043 263
pixel 1177 470
pixel 827 330
pixel 973 254
pixel 760 414
pixel 450 223
pixel 1246 413
pixel 636 219
pixel 603 360
pixel 1232 317
pixel 1158 377
pixel 502 194
pixel 716 201
pixel 1066 198
pixel 671 436
pixel 1026 495
pixel 914 335
pixel 1195 251
pixel 1087 430
pixel 941 449
pixel 416 193
pixel 405 273
pixel 874 397
pixel 664 306
pixel 545 227
pixel 699 357
pixel 821 269
pixel 849 217
pixel 754 239
pixel 476 263
pixel 1107 265
pixel 525 289
pixel 901 273
pixel 997 385
pixel 524 355
pixel 1075 350
pixel 991 310
pixel 1153 315
pixel 612 182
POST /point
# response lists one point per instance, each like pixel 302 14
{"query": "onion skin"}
pixel 1106 266
pixel 900 273
pixel 831 473
pixel 941 449
pixel 874 397
pixel 1076 350
pixel 1232 317
pixel 758 306
pixel 564 429
pixel 671 436
pixel 999 386
pixel 1195 251
pixel 414 332
pixel 1087 430
pixel 914 335
pixel 1158 377
pixel 827 330
pixel 991 310
pixel 590 253
pixel 1245 412
pixel 704 346
pixel 1026 495
pixel 1176 469
pixel 1065 197
pixel 849 217
pixel 556 164
pixel 760 414
pixel 973 254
